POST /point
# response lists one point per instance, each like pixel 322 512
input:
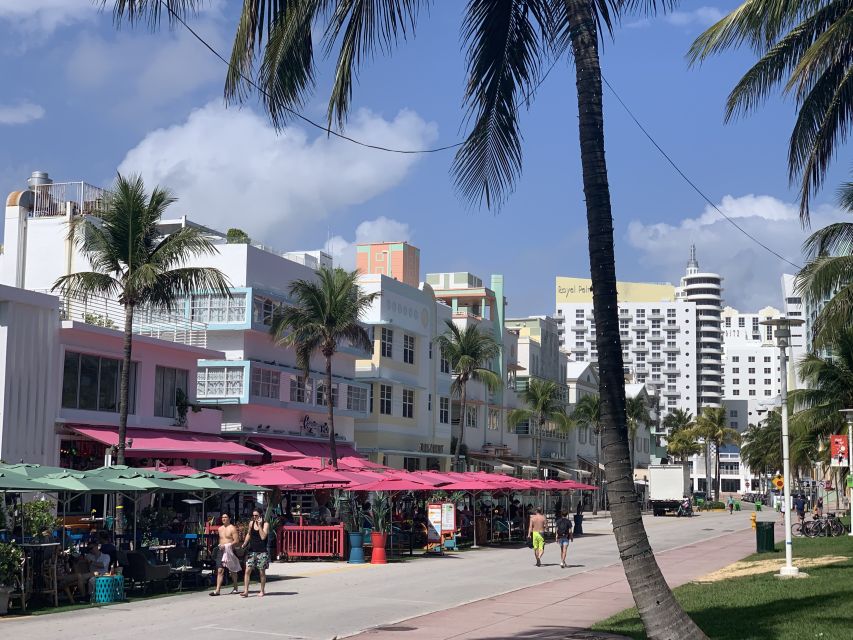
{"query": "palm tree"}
pixel 826 275
pixel 677 420
pixel 637 412
pixel 325 313
pixel 468 351
pixel 712 429
pixel 137 265
pixel 761 448
pixel 588 411
pixel 802 49
pixel 682 445
pixel 507 44
pixel 544 404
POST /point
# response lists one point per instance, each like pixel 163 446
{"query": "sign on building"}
pixel 840 456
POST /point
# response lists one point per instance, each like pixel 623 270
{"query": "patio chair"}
pixel 141 571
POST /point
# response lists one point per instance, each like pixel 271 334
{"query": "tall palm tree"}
pixel 137 265
pixel 803 49
pixel 827 274
pixel 682 445
pixel 677 420
pixel 588 411
pixel 325 313
pixel 544 404
pixel 468 351
pixel 507 44
pixel 637 412
pixel 711 427
pixel 761 447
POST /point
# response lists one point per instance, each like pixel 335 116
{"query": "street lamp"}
pixel 782 331
pixel 848 415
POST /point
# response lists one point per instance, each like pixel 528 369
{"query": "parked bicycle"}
pixel 828 526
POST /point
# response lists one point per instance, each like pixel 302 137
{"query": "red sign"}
pixel 840 456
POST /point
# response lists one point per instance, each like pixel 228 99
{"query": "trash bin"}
pixel 764 540
pixel 578 524
pixel 758 504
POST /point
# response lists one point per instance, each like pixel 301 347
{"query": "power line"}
pixel 691 183
pixel 326 129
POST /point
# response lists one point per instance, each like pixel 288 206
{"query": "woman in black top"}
pixel 257 558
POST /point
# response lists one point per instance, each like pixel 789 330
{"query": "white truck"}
pixel 668 484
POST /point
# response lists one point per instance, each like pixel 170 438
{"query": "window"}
pixel 385 394
pixel 736 370
pixel 412 464
pixel 444 410
pixel 752 370
pixel 408 349
pixel 751 381
pixel 736 381
pixel 735 358
pixel 582 435
pixel 356 398
pixel 220 382
pixel 387 343
pixel 297 389
pixel 472 417
pixel 264 308
pixel 752 392
pixel 733 413
pixel 641 313
pixel 768 381
pixel 408 403
pixel 729 468
pixel 670 313
pixel 751 358
pixel 768 370
pixel 579 314
pixel 93 383
pixel 655 325
pixel 445 364
pixel 167 382
pixel 766 358
pixel 768 392
pixel 321 394
pixel 494 418
pixel 265 383
pixel 735 392
pixel 741 322
pixel 213 308
pixel 728 322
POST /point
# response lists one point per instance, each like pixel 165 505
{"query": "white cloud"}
pixel 230 166
pixel 381 229
pixel 751 274
pixel 20 113
pixel 45 16
pixel 702 17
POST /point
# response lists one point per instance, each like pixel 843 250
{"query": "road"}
pixel 318 601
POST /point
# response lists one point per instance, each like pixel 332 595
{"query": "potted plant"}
pixel 40 520
pixel 379 519
pixel 348 510
pixel 11 560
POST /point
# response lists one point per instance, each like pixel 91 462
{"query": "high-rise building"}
pixel 705 290
pixel 794 309
pixel 398 260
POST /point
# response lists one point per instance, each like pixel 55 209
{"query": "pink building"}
pixel 398 260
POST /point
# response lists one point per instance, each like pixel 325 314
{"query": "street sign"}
pixel 779 482
pixel 839 456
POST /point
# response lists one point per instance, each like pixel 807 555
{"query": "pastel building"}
pixel 398 260
pixel 487 434
pixel 259 394
pixel 407 425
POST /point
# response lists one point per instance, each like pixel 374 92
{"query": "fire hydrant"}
pixel 752 518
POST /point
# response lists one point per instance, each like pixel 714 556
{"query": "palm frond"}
pixel 168 287
pixel 87 283
pixel 153 11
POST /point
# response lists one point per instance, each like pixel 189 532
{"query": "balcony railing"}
pixel 108 313
pixel 61 198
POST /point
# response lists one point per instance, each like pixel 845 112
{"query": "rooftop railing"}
pixel 62 198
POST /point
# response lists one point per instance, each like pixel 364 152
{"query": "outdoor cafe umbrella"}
pixel 121 471
pixel 394 485
pixel 472 486
pixel 230 469
pixel 30 470
pixel 273 475
pixel 182 470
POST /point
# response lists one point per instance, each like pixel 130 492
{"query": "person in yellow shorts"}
pixel 535 532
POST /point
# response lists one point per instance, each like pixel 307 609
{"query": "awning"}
pixel 287 448
pixel 157 443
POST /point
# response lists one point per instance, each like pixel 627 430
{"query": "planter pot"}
pixel 5 592
pixel 356 547
pixel 378 541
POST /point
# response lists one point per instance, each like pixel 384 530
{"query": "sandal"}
pixel 244 595
pixel 213 593
pixel 233 591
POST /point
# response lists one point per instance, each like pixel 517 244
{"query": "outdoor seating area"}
pixel 151 531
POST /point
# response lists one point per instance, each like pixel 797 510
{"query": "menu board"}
pixel 434 522
pixel 448 517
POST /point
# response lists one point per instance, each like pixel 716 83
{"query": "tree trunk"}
pixel 539 450
pixel 333 450
pixel 124 388
pixel 708 478
pixel 717 481
pixel 662 616
pixel 597 475
pixel 462 418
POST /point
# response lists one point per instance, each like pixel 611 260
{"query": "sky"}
pixel 84 100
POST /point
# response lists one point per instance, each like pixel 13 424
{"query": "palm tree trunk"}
pixel 333 450
pixel 717 481
pixel 539 450
pixel 661 614
pixel 597 434
pixel 124 388
pixel 462 417
pixel 707 469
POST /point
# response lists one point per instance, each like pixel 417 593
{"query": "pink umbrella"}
pixel 394 484
pixel 312 463
pixel 352 477
pixel 177 470
pixel 274 476
pixel 354 462
pixel 230 469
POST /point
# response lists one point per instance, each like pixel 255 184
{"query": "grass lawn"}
pixel 761 606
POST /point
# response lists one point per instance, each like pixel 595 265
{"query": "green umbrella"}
pixel 122 471
pixel 75 483
pixel 210 482
pixel 15 482
pixel 145 483
pixel 30 470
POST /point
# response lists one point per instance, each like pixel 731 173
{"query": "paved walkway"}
pixel 557 609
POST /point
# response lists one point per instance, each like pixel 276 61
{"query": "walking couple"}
pixel 257 557
pixel 536 531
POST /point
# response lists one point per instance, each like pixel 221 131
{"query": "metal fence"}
pixel 108 313
pixel 61 198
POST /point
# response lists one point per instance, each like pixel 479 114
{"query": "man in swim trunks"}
pixel 225 557
pixel 535 531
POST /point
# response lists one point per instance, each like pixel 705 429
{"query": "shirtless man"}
pixel 225 558
pixel 535 531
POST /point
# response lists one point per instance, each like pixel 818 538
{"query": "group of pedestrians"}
pixel 257 556
pixel 536 535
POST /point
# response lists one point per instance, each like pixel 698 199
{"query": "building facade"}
pixel 398 260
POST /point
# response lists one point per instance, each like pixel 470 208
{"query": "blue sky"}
pixel 83 100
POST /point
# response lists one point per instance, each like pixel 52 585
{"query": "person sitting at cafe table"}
pixel 108 547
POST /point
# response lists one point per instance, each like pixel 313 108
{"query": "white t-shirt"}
pixel 99 563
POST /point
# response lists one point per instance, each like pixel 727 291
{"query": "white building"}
pixel 407 425
pixel 254 383
pixel 705 290
pixel 792 305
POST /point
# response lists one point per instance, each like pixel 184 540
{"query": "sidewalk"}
pixel 556 609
